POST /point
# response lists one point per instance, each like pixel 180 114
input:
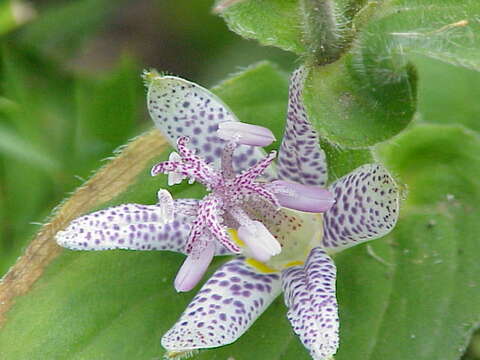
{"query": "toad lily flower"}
pixel 271 215
pixel 234 200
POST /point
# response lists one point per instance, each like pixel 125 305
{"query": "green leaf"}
pixel 448 94
pixel 276 23
pixel 369 95
pixel 343 160
pixel 362 99
pixel 420 300
pixel 103 121
pixel 41 147
pixel 318 29
pixel 446 30
pixel 34 109
pixel 16 147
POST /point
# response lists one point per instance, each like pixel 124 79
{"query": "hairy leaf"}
pixel 277 23
pixel 364 98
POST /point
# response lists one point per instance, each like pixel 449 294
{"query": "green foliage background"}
pixel 70 93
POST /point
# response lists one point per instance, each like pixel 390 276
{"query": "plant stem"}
pixel 325 30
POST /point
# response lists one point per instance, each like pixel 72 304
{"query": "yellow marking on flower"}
pixel 234 235
pixel 294 263
pixel 265 269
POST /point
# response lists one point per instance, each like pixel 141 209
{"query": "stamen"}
pixel 227 160
pixel 174 177
pixel 246 134
pixel 194 267
pixel 301 197
pixel 264 193
pixel 256 236
pixel 187 165
pixel 259 240
pixel 230 192
pixel 249 175
pixel 167 206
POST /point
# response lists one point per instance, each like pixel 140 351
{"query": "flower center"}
pixel 297 232
pixel 270 236
pixel 231 198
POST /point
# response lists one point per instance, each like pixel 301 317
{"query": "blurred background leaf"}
pixel 453 98
pixel 14 13
pixel 63 27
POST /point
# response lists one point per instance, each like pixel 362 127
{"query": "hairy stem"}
pixel 325 30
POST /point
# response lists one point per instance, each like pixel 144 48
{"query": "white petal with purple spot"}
pixel 309 293
pixel 300 158
pixel 366 207
pixel 229 302
pixel 129 226
pixel 181 108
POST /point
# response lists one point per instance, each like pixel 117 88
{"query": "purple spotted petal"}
pixel 181 108
pixel 300 158
pixel 229 302
pixel 366 207
pixel 309 293
pixel 130 226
